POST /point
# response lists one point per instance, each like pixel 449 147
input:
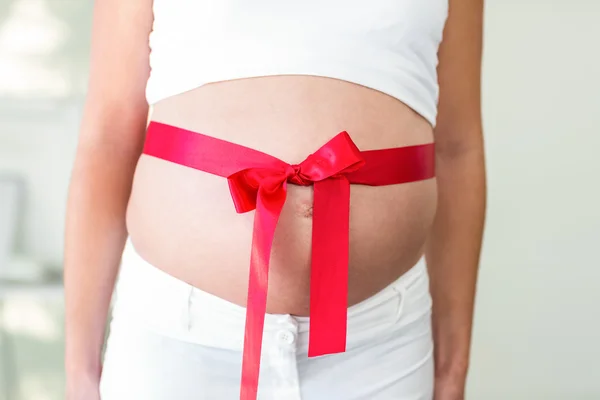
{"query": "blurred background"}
pixel 537 326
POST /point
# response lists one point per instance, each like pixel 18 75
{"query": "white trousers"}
pixel 171 341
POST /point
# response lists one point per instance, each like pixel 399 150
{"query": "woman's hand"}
pixel 83 388
pixel 449 388
pixel 84 393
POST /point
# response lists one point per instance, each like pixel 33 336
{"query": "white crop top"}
pixel 387 45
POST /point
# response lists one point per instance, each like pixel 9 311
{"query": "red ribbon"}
pixel 258 181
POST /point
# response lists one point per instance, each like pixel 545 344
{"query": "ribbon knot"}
pixel 294 175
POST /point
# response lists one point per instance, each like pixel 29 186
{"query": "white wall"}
pixel 537 332
pixel 37 141
pixel 44 46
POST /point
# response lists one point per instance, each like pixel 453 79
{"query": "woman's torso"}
pixel 183 221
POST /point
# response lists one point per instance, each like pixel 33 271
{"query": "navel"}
pixel 305 210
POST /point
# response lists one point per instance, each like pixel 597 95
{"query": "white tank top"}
pixel 387 45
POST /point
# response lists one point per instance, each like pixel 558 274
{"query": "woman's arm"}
pixel 110 143
pixel 454 245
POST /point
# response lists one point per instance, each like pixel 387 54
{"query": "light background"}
pixel 537 327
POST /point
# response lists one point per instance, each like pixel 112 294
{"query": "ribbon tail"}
pixel 268 208
pixel 329 269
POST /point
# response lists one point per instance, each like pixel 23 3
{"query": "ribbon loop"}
pixel 338 156
pixel 244 186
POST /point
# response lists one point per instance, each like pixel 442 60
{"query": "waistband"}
pixel 149 298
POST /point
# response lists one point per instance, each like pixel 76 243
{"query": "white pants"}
pixel 171 341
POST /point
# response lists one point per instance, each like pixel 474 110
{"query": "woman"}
pixel 316 123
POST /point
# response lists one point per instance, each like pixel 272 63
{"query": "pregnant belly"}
pixel 183 221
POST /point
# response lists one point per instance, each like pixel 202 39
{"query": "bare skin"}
pixel 183 221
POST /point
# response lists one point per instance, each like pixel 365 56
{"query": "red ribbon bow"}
pixel 264 189
pixel 259 181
